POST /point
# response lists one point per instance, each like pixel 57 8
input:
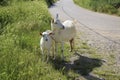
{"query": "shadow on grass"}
pixel 82 65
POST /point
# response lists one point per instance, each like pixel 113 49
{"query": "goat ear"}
pixel 51 33
pixel 40 33
pixel 52 20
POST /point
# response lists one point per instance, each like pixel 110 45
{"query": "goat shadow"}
pixel 82 65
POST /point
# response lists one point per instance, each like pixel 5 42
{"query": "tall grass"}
pixel 20 58
pixel 105 6
pixel 10 2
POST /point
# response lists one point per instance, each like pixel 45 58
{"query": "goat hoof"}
pixel 54 58
pixel 70 50
pixel 61 51
pixel 63 58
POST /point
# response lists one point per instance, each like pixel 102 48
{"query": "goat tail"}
pixel 75 21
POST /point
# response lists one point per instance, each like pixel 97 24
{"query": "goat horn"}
pixel 57 16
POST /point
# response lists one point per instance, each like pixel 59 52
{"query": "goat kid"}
pixel 46 43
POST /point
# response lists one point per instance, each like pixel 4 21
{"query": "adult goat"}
pixel 63 32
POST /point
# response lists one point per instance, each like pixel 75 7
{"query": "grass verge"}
pixel 20 58
pixel 104 6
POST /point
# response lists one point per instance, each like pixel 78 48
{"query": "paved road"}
pixel 106 25
pixel 101 31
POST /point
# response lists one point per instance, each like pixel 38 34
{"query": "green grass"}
pixel 104 6
pixel 20 55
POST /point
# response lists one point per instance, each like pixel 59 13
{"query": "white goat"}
pixel 46 43
pixel 63 32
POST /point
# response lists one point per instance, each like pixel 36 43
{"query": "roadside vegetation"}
pixel 104 6
pixel 20 56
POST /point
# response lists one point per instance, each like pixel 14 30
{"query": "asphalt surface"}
pixel 99 30
pixel 108 26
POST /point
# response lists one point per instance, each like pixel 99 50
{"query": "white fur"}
pixel 66 34
pixel 46 45
pixel 61 34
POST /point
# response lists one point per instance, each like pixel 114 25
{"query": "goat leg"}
pixel 71 44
